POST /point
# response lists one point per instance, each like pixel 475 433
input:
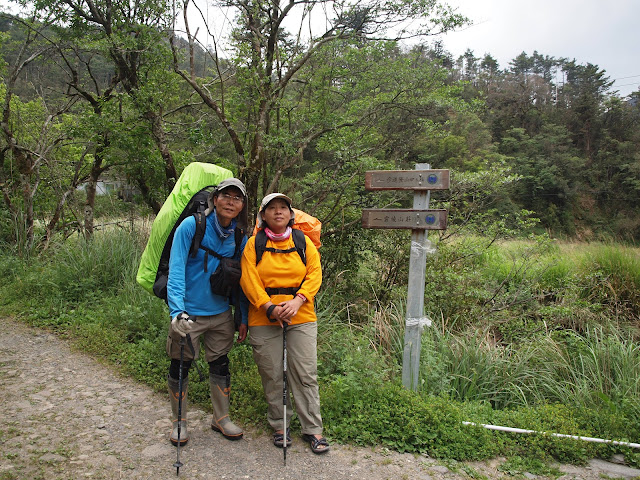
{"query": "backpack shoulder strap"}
pixel 201 227
pixel 261 245
pixel 300 243
pixel 298 240
pixel 238 233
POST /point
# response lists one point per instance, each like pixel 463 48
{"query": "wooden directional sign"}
pixel 419 219
pixel 406 180
pixel 401 218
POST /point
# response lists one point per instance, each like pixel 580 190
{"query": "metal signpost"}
pixel 419 219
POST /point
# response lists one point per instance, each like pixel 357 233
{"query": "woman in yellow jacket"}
pixel 281 289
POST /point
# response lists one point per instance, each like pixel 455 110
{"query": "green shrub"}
pixel 86 270
pixel 247 401
pixel 389 415
pixel 11 268
pixel 147 361
pixel 611 276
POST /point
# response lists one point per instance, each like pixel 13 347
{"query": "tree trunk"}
pixel 92 184
pixel 146 194
pixel 90 190
pixel 157 130
pixel 251 178
pixel 56 217
pixel 27 198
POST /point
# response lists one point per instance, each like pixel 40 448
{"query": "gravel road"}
pixel 66 416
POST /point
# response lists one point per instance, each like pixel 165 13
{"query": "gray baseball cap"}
pixel 232 182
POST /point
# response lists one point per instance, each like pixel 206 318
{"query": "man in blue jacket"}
pixel 197 311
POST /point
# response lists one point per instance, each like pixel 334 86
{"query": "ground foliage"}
pixel 533 372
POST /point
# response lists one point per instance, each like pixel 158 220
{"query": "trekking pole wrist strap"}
pixel 270 311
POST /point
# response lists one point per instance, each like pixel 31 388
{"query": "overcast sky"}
pixel 602 32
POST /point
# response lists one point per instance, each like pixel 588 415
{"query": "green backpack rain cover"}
pixel 194 178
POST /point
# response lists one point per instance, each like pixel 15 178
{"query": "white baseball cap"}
pixel 267 200
pixel 231 182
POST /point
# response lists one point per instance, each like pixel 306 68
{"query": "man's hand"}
pixel 181 324
pixel 242 332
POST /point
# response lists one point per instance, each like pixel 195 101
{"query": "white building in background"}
pixel 114 187
pixel 105 187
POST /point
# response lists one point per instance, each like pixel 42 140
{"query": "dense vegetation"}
pixel 527 331
pixel 552 350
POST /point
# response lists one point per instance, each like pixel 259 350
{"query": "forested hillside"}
pixel 92 94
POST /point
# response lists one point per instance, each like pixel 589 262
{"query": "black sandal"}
pixel 278 439
pixel 318 445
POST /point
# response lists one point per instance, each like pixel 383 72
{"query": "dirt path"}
pixel 66 416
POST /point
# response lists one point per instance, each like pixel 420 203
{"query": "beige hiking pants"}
pixel 302 380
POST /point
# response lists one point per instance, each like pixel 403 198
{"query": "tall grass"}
pixel 596 369
pixel 470 368
pixel 82 269
pixel 591 370
pixel 612 275
pixel 519 362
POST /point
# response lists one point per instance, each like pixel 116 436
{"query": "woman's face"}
pixel 277 215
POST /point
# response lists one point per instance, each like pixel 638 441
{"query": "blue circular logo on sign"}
pixel 432 178
pixel 430 219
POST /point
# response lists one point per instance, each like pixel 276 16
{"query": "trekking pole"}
pixel 178 463
pixel 284 390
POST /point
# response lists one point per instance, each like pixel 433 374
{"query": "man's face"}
pixel 228 204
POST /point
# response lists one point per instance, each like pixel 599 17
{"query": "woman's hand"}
pixel 285 311
pixel 272 311
pixel 276 315
pixel 289 309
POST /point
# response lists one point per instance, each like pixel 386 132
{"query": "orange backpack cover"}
pixel 307 224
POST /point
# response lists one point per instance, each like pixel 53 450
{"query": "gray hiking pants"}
pixel 217 333
pixel 302 380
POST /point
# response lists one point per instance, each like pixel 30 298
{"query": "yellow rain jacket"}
pixel 280 270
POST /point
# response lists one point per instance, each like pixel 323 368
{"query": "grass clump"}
pixel 517 465
pixel 86 270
